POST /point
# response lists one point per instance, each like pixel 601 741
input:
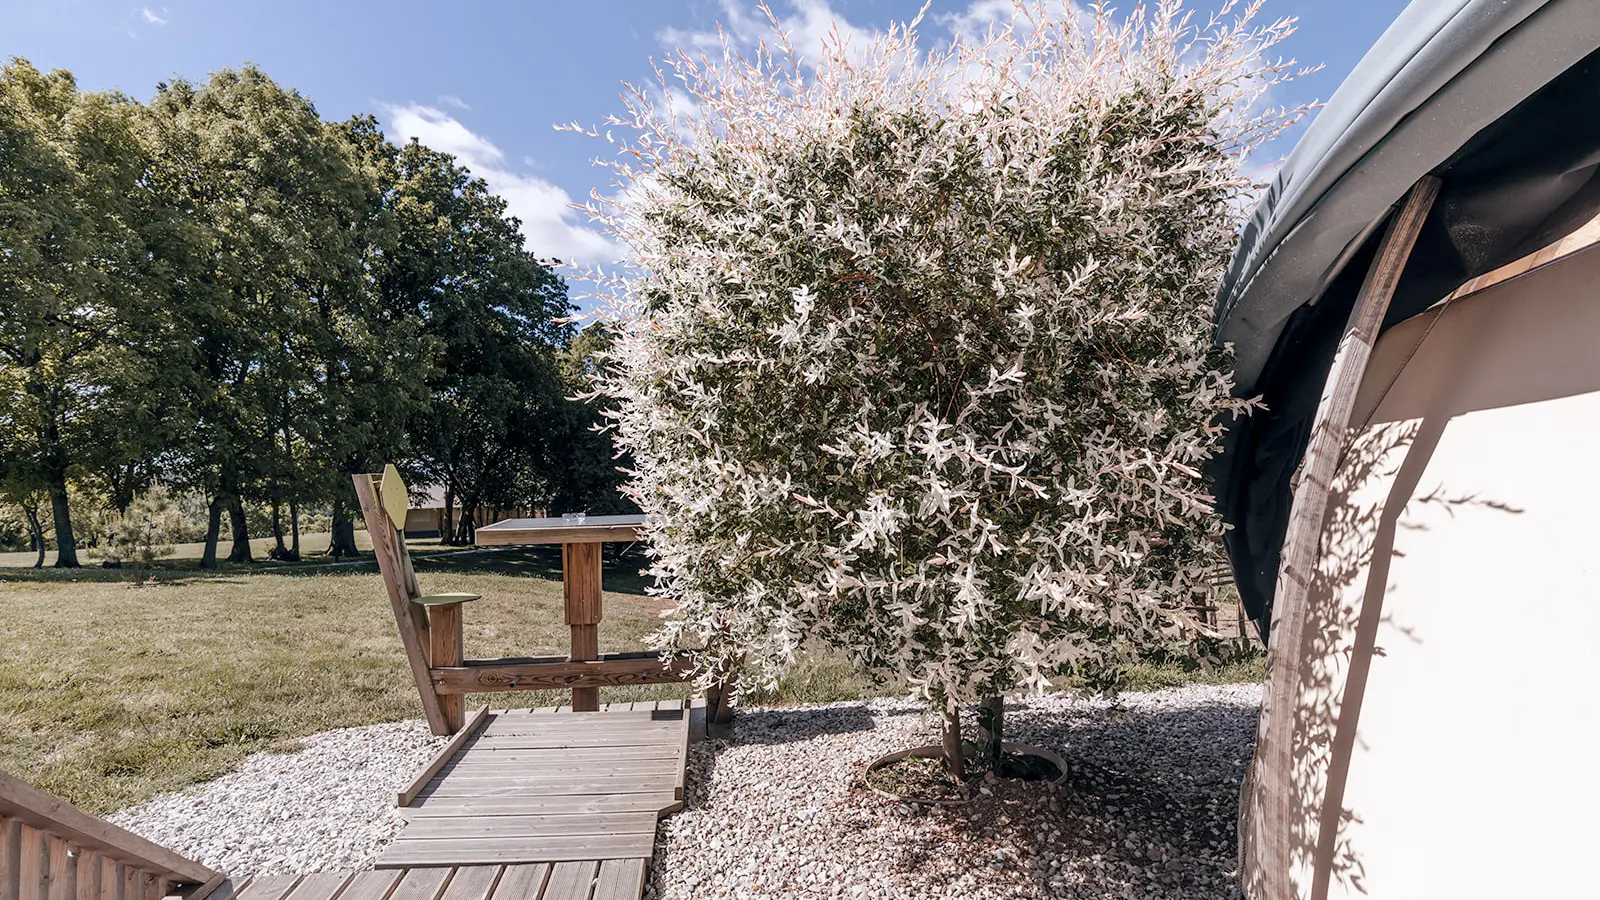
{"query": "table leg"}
pixel 580 576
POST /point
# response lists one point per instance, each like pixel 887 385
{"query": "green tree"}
pixel 143 532
pixel 70 278
pixel 489 313
pixel 276 298
pixel 920 366
pixel 586 470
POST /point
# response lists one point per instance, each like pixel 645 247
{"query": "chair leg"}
pixel 447 649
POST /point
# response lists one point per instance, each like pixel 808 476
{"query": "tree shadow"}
pixel 1150 810
pixel 783 726
pixel 1376 486
pixel 622 573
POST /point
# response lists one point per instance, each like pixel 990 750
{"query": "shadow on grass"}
pixel 618 574
pixel 621 575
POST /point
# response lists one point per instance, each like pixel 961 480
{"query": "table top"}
pixel 593 530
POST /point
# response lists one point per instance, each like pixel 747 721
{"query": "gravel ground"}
pixel 781 809
pixel 327 807
pixel 1149 811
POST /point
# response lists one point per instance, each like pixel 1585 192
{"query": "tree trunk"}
pixel 992 722
pixel 241 531
pixel 951 742
pixel 35 532
pixel 121 493
pixel 342 542
pixel 294 526
pixel 281 552
pixel 447 531
pixel 208 559
pixel 66 547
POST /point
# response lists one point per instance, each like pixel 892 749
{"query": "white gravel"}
pixel 1154 787
pixel 780 810
pixel 327 807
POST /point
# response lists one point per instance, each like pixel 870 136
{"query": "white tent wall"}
pixel 1447 688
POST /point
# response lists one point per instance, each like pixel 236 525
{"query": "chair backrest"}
pixel 383 507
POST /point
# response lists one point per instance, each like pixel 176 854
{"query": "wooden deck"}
pixel 618 879
pixel 576 793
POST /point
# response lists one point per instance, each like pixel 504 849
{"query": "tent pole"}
pixel 1271 814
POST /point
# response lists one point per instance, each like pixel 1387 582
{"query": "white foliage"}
pixel 916 357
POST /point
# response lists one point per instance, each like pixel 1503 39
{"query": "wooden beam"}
pixel 446 651
pixel 53 816
pixel 395 566
pixel 608 670
pixel 480 718
pixel 1274 807
pixel 580 576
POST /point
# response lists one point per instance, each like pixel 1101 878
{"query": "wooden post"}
pixel 1267 853
pixel 580 565
pixel 401 583
pixel 446 648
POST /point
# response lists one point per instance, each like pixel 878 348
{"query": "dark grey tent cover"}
pixel 1501 100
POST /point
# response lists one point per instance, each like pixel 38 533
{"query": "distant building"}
pixel 425 516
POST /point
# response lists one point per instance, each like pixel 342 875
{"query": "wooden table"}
pixel 580 574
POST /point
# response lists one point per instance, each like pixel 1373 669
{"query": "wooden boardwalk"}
pixel 570 799
pixel 588 880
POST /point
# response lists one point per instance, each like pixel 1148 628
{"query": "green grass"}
pixel 312 547
pixel 112 693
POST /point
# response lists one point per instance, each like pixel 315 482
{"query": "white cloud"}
pixel 809 24
pixel 151 17
pixel 453 100
pixel 551 226
pixel 978 18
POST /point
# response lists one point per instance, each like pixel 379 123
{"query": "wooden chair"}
pixel 431 629
pixel 429 624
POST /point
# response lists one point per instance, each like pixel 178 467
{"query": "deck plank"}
pixel 532 826
pixel 370 886
pixel 522 882
pixel 555 785
pixel 667 766
pixel 571 880
pixel 422 884
pixel 560 805
pixel 620 879
pixel 269 887
pixel 620 718
pixel 505 850
pixel 498 759
pixel 472 883
pixel 318 886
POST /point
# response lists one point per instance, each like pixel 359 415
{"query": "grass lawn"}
pixel 311 545
pixel 111 693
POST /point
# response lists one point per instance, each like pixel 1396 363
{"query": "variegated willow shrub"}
pixel 914 355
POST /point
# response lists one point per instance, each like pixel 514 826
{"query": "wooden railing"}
pixel 51 850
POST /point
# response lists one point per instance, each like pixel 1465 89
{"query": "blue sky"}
pixel 487 81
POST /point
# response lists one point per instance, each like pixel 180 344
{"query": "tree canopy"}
pixel 223 293
pixel 916 359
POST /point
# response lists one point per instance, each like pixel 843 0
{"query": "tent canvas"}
pixel 1420 687
pixel 1496 98
pixel 1437 730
